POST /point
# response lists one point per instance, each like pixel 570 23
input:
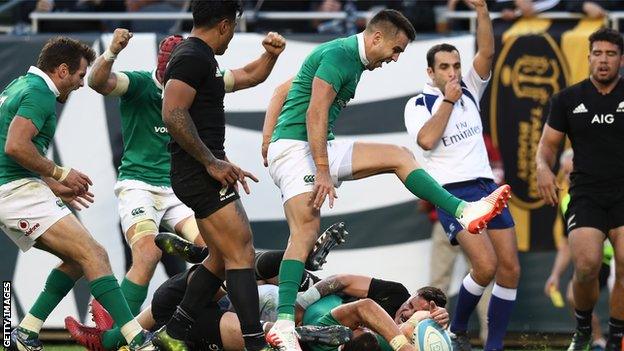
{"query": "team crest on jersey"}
pixel 218 73
pixel 619 109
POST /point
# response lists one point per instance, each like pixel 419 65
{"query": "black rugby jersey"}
pixel 194 63
pixel 595 125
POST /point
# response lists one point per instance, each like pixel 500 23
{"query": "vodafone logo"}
pixel 26 228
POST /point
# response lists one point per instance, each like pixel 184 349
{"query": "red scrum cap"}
pixel 164 52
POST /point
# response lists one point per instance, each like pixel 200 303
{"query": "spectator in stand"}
pixel 158 26
pixel 594 9
pixel 512 9
pixel 72 6
pixel 290 26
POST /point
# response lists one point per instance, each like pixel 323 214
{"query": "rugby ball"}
pixel 430 336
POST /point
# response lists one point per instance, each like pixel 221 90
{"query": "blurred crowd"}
pixel 427 16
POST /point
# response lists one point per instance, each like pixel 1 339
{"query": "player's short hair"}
pixel 437 48
pixel 394 18
pixel 59 50
pixel 608 35
pixel 208 13
pixel 430 293
pixel 363 342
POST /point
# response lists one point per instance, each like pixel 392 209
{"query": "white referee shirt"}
pixel 460 154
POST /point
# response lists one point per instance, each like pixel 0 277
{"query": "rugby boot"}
pixel 581 341
pixel 332 236
pixel 20 341
pixel 460 341
pixel 283 336
pixel 476 215
pixel 100 316
pixel 333 335
pixel 166 342
pixel 89 337
pixel 177 246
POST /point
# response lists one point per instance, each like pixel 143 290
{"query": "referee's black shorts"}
pixel 600 209
pixel 198 190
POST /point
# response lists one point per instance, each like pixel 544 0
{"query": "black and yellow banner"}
pixel 535 58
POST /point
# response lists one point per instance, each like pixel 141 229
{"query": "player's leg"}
pixel 480 252
pixel 586 251
pixel 374 158
pixel 616 320
pixel 69 238
pixel 505 287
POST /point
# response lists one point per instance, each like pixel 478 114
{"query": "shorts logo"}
pixel 452 227
pixel 26 228
pixel 138 211
pixel 308 178
pixel 60 203
pixel 571 222
pixel 223 193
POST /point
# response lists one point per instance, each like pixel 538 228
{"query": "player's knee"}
pixel 145 252
pixel 142 229
pixel 95 254
pixel 484 271
pixel 586 272
pixel 240 258
pixel 510 268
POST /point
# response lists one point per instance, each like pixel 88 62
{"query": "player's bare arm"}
pixel 101 78
pixel 271 115
pixel 19 146
pixel 258 70
pixel 485 40
pixel 431 132
pixel 545 161
pixel 323 94
pixel 177 99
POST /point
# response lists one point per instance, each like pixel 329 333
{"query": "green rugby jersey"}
pixel 319 313
pixel 337 62
pixel 145 136
pixel 31 96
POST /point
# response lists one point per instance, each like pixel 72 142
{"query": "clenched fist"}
pixel 274 43
pixel 121 37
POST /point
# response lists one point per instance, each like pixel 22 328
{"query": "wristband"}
pixel 449 101
pixel 60 173
pixel 109 56
pixel 308 297
pixel 398 342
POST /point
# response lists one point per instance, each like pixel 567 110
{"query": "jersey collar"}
pixel 361 49
pixel 156 80
pixel 432 90
pixel 36 71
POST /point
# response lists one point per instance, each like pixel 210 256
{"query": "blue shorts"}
pixel 472 190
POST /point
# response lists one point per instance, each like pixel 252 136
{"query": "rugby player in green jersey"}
pixel 31 214
pixel 306 163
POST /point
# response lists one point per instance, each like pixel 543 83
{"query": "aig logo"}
pixel 602 119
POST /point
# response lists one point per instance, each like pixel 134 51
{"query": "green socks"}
pixel 113 339
pixel 422 185
pixel 135 295
pixel 106 290
pixel 56 287
pixel 289 279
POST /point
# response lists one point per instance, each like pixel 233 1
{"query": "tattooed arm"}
pixel 352 285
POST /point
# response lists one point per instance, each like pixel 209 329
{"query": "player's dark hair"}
pixel 208 13
pixel 394 18
pixel 435 49
pixel 430 293
pixel 388 294
pixel 59 50
pixel 363 342
pixel 608 35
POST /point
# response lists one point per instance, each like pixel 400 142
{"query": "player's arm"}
pixel 349 284
pixel 272 113
pixel 258 70
pixel 431 132
pixel 317 117
pixel 485 40
pixel 545 160
pixel 101 78
pixel 369 314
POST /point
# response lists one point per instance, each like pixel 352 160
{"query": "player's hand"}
pixel 452 90
pixel 265 152
pixel 274 43
pixel 78 202
pixel 547 185
pixel 551 283
pixel 438 314
pixel 77 181
pixel 229 174
pixel 121 37
pixel 323 187
pixel 476 4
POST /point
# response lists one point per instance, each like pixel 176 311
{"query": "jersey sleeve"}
pixel 136 83
pixel 189 69
pixel 37 106
pixel 556 115
pixel 475 84
pixel 335 68
pixel 416 115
